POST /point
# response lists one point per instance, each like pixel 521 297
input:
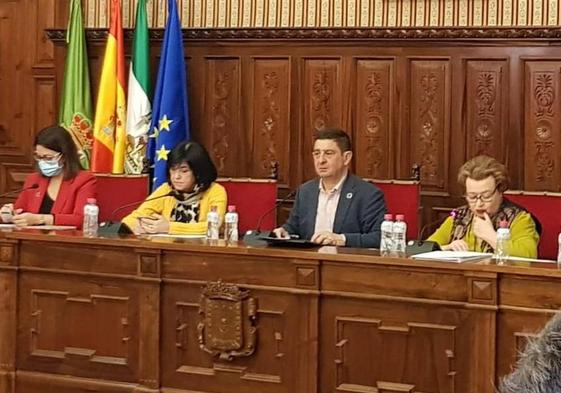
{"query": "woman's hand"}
pixel 456 245
pixel 154 224
pixel 483 229
pixel 26 219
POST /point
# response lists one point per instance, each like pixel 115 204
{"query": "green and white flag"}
pixel 139 109
pixel 76 104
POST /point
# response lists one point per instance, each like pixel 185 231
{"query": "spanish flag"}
pixel 109 125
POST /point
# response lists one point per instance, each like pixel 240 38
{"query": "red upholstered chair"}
pixel 402 197
pixel 253 198
pixel 546 207
pixel 114 191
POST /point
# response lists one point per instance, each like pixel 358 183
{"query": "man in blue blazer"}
pixel 337 208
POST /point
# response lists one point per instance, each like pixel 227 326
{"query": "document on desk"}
pixel 7 226
pixel 452 256
pixel 177 236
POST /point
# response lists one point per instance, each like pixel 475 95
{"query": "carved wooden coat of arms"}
pixel 227 326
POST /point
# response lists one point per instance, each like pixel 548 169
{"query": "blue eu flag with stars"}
pixel 170 114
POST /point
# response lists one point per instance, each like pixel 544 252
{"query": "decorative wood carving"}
pixel 321 102
pixel 485 107
pixel 271 108
pixel 373 117
pixel 227 328
pixel 322 34
pixel 429 122
pixel 222 114
pixel 543 125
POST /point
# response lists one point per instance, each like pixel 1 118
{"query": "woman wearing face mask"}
pixel 58 192
pixel 191 183
pixel 474 226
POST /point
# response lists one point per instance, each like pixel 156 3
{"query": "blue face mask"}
pixel 50 168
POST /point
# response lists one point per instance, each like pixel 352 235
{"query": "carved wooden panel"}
pixel 222 115
pixel 271 368
pixel 271 117
pixel 374 114
pixel 542 125
pixel 374 347
pixel 321 101
pixel 65 323
pixel 486 107
pixel 429 120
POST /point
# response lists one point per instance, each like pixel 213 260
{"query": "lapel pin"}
pixel 349 195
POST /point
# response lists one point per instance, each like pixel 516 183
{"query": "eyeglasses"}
pixel 483 197
pixel 46 157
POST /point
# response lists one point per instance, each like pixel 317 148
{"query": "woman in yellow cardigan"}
pixel 191 190
pixel 474 227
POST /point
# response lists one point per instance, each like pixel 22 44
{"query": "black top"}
pixel 46 205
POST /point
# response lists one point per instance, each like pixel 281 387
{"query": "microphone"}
pixel 252 236
pixel 419 246
pixel 19 190
pixel 108 228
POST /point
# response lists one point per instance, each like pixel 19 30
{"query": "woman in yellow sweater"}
pixel 186 198
pixel 474 227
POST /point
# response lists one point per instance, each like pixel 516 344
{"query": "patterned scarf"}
pixel 187 206
pixel 464 216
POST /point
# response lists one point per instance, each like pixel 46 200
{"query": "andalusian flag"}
pixel 76 104
pixel 139 109
pixel 109 125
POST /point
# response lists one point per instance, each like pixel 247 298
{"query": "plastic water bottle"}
pixel 399 233
pixel 503 243
pixel 213 224
pixel 559 251
pixel 386 241
pixel 231 225
pixel 91 214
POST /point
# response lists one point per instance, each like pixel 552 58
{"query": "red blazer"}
pixel 68 208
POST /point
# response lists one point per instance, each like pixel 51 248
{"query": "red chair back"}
pixel 114 191
pixel 253 198
pixel 546 207
pixel 402 197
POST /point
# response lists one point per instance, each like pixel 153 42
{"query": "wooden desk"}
pixel 130 315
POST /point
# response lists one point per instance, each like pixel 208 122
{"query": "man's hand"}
pixel 327 238
pixel 281 233
pixel 483 229
pixel 456 245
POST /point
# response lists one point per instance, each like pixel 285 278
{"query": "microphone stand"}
pixel 253 236
pixel 420 246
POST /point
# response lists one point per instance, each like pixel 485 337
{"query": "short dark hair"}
pixel 59 139
pixel 340 137
pixel 198 159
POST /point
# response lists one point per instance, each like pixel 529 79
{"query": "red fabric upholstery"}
pixel 253 198
pixel 546 207
pixel 114 191
pixel 402 197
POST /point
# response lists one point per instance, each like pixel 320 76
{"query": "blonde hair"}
pixel 480 168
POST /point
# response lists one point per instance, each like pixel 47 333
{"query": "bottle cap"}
pixel 231 208
pixel 503 224
pixel 91 201
pixel 399 217
pixel 388 217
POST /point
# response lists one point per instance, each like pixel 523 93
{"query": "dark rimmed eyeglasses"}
pixel 483 197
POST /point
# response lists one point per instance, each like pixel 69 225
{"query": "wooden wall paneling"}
pixel 542 125
pixel 374 110
pixel 270 116
pixel 429 120
pixel 322 102
pixel 222 114
pixel 486 107
pixel 8 307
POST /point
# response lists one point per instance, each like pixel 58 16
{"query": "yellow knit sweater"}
pixel 214 196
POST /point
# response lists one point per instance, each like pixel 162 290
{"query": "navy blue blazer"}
pixel 359 214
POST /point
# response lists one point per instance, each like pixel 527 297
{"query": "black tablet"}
pixel 275 241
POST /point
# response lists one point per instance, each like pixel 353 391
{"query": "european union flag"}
pixel 170 114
